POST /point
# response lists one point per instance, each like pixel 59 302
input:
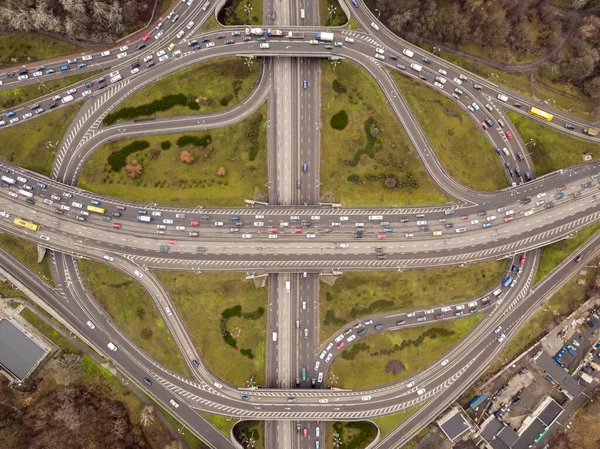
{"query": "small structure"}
pixel 454 424
pixel 20 351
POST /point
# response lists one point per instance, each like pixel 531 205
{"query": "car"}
pixel 13 120
pixel 90 325
pixel 134 71
pixel 305 432
pixel 444 362
pixel 174 403
pixel 122 55
pixel 578 258
pixel 158 35
pixel 245 398
pixel 509 135
pixel 246 236
pixel 22 77
pixel 210 44
pixel 146 37
pixel 163 58
pixel 44 237
pixel 498 330
pixel 168 310
pixel 484 125
pixel 138 274
pixel 38 73
pixel 349 40
pixel 475 106
pixel 26 116
pixel 124 48
pixel 501 338
pixel 111 346
pixel 380 50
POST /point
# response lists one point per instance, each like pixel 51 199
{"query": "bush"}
pixel 338 86
pixel 193 140
pixel 252 134
pixel 226 99
pixel 353 178
pixel 328 296
pixel 340 120
pixel 118 159
pixel 193 105
pixel 247 353
pixel 354 350
pixel 231 312
pixel 165 145
pixel 254 315
pixel 162 104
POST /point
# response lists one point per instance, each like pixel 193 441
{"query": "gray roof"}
pixel 490 428
pixel 550 413
pixel 508 436
pixel 533 431
pixel 455 426
pixel 19 354
pixel 557 373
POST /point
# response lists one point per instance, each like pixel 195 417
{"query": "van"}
pixel 408 53
pixel 67 99
pixel 502 97
pixel 115 79
pixel 416 67
pixel 274 336
pixel 302 13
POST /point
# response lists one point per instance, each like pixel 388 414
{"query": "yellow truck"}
pixel 590 131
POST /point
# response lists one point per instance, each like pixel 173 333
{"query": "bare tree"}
pixel 174 445
pixel 147 416
pixel 119 428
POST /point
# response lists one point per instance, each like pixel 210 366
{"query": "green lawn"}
pixel 383 352
pixel 201 299
pixel 211 24
pixel 26 253
pixel 567 97
pixel 168 180
pixel 389 422
pixel 166 4
pixel 223 423
pixel 351 435
pixel 360 293
pixel 28 144
pixel 133 310
pixel 354 164
pixel 458 142
pixel 552 255
pixel 21 48
pixel 553 311
pixel 215 85
pixel 19 95
pixel 331 14
pixel 56 337
pixel 553 149
pixel 236 13
pixel 253 430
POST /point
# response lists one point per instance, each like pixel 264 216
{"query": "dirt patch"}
pixel 328 280
pixel 394 367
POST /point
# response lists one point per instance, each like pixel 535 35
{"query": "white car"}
pixel 13 194
pixel 13 120
pixel 323 401
pixel 541 195
pixel 315 217
pixel 111 346
pixel 180 34
pixel 366 398
pixel 380 50
pixel 158 35
pixel 458 81
pixel 476 106
pixel 349 40
pixel 22 77
pixel 138 274
pixel 190 25
pixel 160 24
pixel 168 310
pixel 273 236
pixel 328 358
pixel 86 58
pixel 459 230
pixel 311 236
pixel 381 57
pixel 71 91
pixel 167 221
pixel 160 53
pixel 109 258
pixel 124 48
pixel 113 74
pixel 148 58
pixel 180 228
pixel 343 218
pixel 474 222
pixel 91 325
pixel 86 93
pixel 105 53
pixel 501 338
pixel 439 85
pixel 264 45
pixel 163 58
pixel 498 330
pixel 259 223
pixel 37 73
pixel 44 237
pixel 317 364
pixel 134 71
pixel 351 338
pixel 174 403
pixel 410 384
pixel 210 44
pixel 122 55
pixel 444 362
pixel 29 114
pixel 443 72
pixel 246 236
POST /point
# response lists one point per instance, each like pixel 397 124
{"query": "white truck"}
pixel 254 31
pixel 408 53
pixel 287 286
pixel 416 67
pixel 324 36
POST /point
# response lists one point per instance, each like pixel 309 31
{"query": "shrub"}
pixel 232 311
pixel 328 296
pixel 193 105
pixel 247 353
pixel 226 99
pixel 186 157
pixel 165 145
pixel 254 315
pixel 340 120
pixel 162 104
pixel 354 350
pixel 118 159
pixel 338 86
pixel 193 140
pixel 134 169
pixel 353 178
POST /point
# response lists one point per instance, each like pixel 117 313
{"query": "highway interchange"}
pixel 294 134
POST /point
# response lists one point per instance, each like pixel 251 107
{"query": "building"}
pixel 20 351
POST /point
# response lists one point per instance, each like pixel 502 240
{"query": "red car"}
pixel 273 230
pixel 298 230
pixel 172 242
pixel 507 219
pixel 194 223
pixel 484 124
pixel 381 236
pixel 117 225
pixel 561 188
pixel 340 345
pixel 121 207
pixel 464 217
pixel 146 37
pixel 522 259
pixel 509 135
pixel 305 432
pixel 160 231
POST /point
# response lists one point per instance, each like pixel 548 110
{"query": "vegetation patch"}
pixel 241 12
pixel 26 253
pixel 389 422
pixel 553 149
pixel 415 347
pixel 250 434
pixel 351 435
pixel 354 350
pixel 24 48
pixel 209 301
pixel 359 294
pixel 133 310
pixel 340 120
pixel 163 104
pixel 371 160
pixel 222 168
pixel 331 13
pixel 118 159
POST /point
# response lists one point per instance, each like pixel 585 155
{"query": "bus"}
pixel 25 193
pixel 8 180
pixel 304 374
pixel 26 224
pixel 541 114
pixel 98 210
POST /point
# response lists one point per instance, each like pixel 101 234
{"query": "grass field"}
pixel 552 255
pixel 558 307
pixel 567 97
pixel 133 310
pixel 166 4
pixel 235 12
pixel 331 14
pixel 552 149
pixel 223 423
pixel 100 382
pixel 356 161
pixel 389 422
pixel 215 85
pixel 359 293
pixel 168 180
pixel 200 300
pixel 457 141
pixel 26 253
pixel 21 48
pixel 19 95
pixel 383 355
pixel 355 435
pixel 253 430
pixel 28 144
pixel 211 24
